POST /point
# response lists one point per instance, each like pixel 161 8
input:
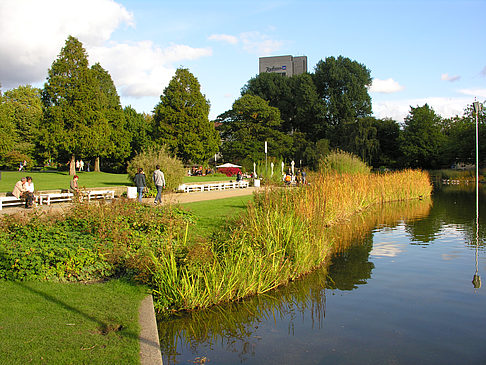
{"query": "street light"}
pixel 476 278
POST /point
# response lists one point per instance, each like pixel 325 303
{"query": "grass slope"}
pixel 59 323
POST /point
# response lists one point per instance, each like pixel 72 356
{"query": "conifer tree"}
pixel 181 120
pixel 73 123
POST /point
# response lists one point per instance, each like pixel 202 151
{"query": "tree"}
pixel 387 133
pixel 181 120
pixel 113 139
pixel 361 138
pixel 72 123
pixel 8 133
pixel 342 84
pixel 140 128
pixel 421 140
pixel 461 137
pixel 246 127
pixel 23 108
pixel 297 99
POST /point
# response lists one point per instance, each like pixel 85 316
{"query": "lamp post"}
pixel 476 278
pixel 266 153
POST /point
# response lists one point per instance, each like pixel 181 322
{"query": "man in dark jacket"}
pixel 140 183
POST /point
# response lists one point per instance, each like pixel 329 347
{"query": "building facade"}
pixel 283 65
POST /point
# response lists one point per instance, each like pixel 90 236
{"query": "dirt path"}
pixel 170 198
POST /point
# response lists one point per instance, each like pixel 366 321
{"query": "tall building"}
pixel 284 65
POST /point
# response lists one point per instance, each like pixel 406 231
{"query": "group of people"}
pixel 299 178
pixel 158 179
pixel 24 189
pixel 80 165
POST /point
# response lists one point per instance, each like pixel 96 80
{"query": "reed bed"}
pixel 280 238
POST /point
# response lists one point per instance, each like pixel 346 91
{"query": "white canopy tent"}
pixel 227 165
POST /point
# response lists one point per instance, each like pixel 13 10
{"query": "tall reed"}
pixel 281 237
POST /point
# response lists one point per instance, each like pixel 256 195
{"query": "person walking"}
pixel 159 181
pixel 140 183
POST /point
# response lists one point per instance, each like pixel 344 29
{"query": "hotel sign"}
pixel 276 68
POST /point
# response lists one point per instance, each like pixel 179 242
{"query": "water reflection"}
pixel 453 210
pixel 234 329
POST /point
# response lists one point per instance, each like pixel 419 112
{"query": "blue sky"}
pixel 417 51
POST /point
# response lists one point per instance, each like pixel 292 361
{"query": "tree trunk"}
pixel 72 166
pixel 97 164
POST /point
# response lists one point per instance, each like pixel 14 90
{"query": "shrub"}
pixel 172 167
pixel 343 162
pixel 229 171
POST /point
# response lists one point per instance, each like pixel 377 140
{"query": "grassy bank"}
pixel 55 323
pixel 276 240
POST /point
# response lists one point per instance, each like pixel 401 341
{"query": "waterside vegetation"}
pixel 279 238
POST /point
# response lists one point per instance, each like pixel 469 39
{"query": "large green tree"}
pixel 421 139
pixel 181 120
pixel 9 136
pixel 73 122
pixel 296 97
pixel 342 84
pixel 23 108
pixel 246 127
pixel 112 138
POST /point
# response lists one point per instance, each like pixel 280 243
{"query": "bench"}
pixel 214 186
pixel 10 201
pixel 49 198
pixel 100 194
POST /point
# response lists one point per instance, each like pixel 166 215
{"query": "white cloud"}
pixel 150 71
pixel 33 33
pixel 252 42
pixel 259 44
pixel 480 93
pixel 231 39
pixel 387 86
pixel 399 109
pixel 446 77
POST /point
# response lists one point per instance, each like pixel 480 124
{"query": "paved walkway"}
pixel 170 198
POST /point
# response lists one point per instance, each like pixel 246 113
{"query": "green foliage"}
pixel 343 162
pixel 422 140
pixel 86 243
pixel 23 107
pixel 343 85
pixel 247 126
pixel 140 128
pixel 172 167
pixel 181 120
pixel 117 139
pixel 73 123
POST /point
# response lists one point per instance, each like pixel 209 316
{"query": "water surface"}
pixel 400 292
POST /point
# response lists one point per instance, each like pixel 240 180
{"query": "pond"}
pixel 400 291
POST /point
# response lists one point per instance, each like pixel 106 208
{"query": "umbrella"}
pixel 227 165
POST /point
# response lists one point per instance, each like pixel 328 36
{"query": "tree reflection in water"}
pixel 234 326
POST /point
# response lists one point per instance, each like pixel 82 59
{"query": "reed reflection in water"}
pixel 234 330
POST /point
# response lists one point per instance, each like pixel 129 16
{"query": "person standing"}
pixel 140 183
pixel 159 181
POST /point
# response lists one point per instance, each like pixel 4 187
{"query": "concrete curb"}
pixel 149 336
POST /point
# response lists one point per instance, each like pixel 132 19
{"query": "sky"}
pixel 426 51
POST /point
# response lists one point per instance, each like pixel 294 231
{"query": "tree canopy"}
pixel 181 120
pixel 246 127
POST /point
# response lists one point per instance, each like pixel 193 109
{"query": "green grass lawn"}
pixel 207 178
pixel 61 179
pixel 211 214
pixel 69 323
